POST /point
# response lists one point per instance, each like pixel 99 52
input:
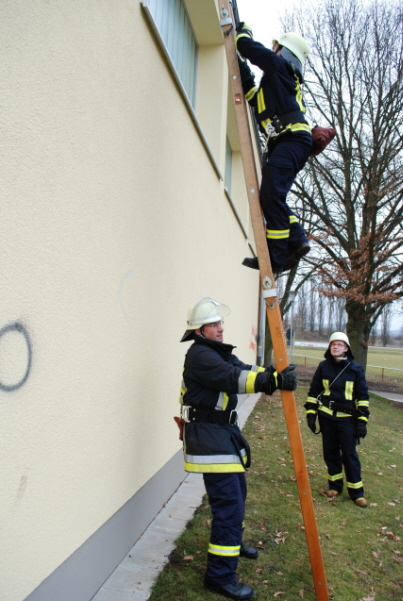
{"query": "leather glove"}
pixel 242 27
pixel 361 428
pixel 266 381
pixel 269 380
pixel 311 421
pixel 287 379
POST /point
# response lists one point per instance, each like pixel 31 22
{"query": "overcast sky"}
pixel 263 17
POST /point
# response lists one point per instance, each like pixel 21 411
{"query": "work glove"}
pixel 270 380
pixel 266 381
pixel 287 379
pixel 311 421
pixel 242 27
pixel 361 428
pixel 365 412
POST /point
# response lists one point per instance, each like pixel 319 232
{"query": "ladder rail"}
pixel 273 309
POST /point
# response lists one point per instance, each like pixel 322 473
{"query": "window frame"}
pixel 175 28
pixel 161 43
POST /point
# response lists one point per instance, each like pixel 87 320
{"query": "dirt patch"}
pixel 305 373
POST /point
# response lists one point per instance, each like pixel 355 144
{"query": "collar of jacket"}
pixel 221 347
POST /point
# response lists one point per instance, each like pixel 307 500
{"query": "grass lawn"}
pixel 362 548
pixel 388 358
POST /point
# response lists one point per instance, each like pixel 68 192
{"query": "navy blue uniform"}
pixel 214 446
pixel 278 95
pixel 342 383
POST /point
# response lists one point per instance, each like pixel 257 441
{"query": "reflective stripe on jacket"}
pixel 212 378
pixel 279 91
pixel 331 383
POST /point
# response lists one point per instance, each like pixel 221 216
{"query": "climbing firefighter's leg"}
pixel 298 244
pixel 276 183
pixel 350 459
pixel 331 452
pixel 285 236
pixel 226 498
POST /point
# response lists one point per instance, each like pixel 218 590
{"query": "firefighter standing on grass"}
pixel 280 111
pixel 339 396
pixel 213 444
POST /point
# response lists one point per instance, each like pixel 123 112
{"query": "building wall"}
pixel 113 221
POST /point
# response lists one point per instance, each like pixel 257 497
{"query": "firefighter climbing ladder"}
pixel 272 304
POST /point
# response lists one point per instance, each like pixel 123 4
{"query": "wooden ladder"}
pixel 269 294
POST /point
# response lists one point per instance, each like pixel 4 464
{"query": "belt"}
pixel 345 409
pixel 335 407
pixel 281 122
pixel 213 416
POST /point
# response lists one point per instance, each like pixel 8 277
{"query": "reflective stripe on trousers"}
pixel 338 437
pixel 227 494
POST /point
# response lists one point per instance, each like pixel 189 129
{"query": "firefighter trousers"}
pixel 227 495
pixel 284 233
pixel 339 449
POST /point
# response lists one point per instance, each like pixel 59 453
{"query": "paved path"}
pixel 392 396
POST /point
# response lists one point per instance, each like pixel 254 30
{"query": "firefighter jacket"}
pixel 212 378
pixel 279 94
pixel 338 385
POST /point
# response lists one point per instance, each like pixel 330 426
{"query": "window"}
pixel 189 35
pixel 173 24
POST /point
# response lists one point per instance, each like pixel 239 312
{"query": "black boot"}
pixel 253 263
pixel 296 255
pixel 248 552
pixel 233 590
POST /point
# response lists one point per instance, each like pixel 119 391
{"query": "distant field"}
pixel 390 359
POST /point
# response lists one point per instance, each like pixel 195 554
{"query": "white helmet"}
pixel 296 44
pixel 339 336
pixel 206 310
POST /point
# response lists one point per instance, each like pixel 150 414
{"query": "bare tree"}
pixel 351 196
pixel 385 324
pixel 340 310
pixel 312 307
pixel 302 311
pixel 321 314
pixel 330 312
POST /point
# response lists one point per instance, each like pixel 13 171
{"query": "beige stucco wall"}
pixel 113 221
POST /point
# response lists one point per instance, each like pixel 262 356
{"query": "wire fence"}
pixel 384 374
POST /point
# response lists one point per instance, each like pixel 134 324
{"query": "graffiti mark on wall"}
pixel 253 338
pixel 15 356
pixel 21 489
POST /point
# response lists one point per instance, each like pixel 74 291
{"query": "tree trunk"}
pixel 358 330
pixel 385 325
